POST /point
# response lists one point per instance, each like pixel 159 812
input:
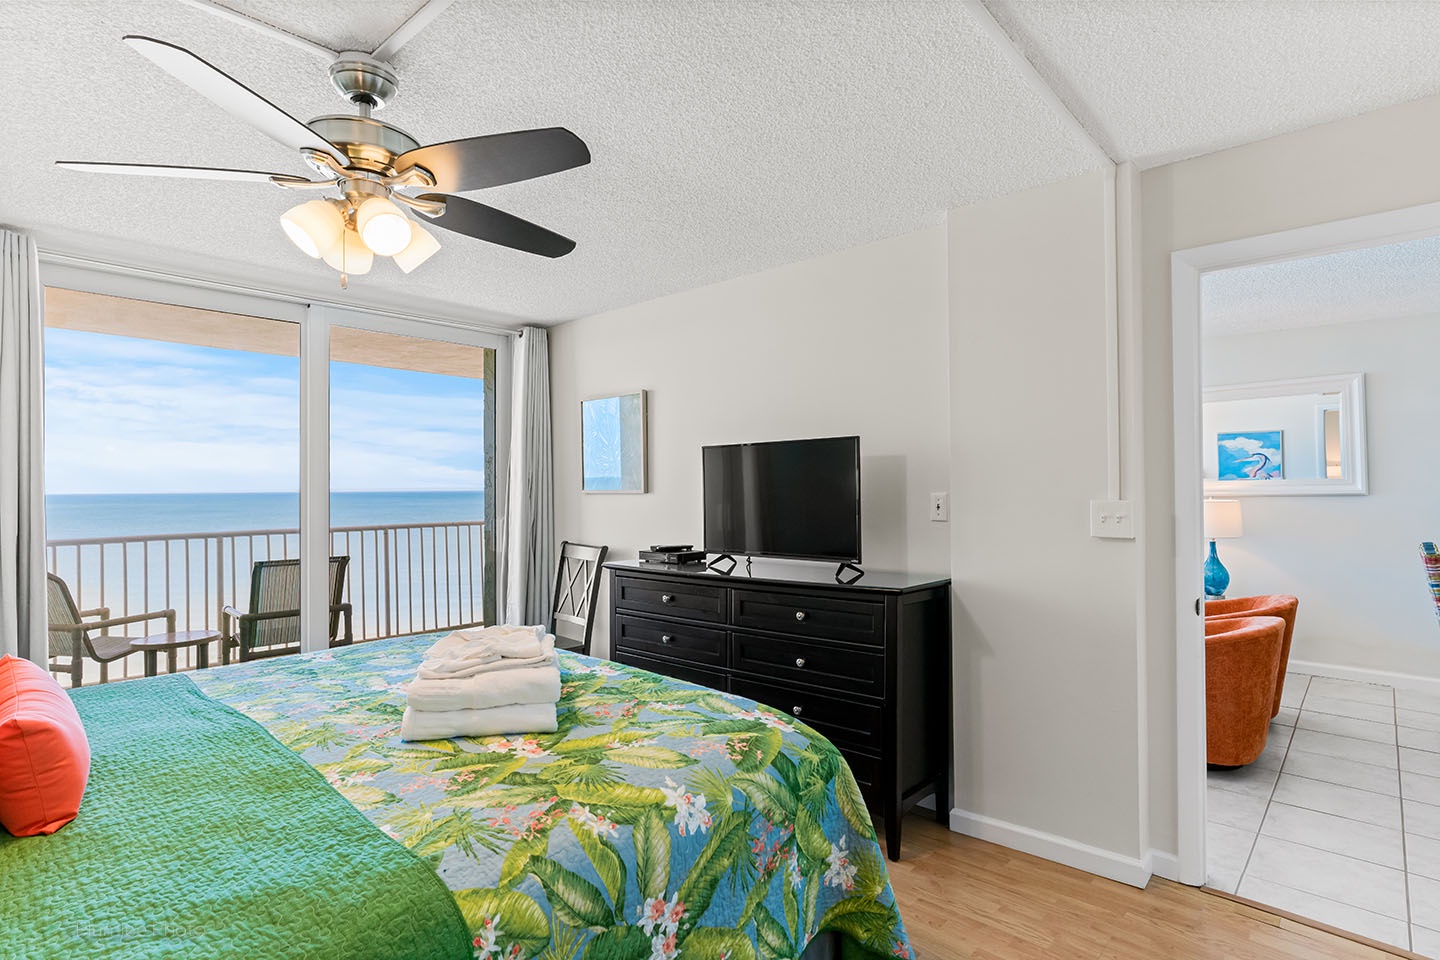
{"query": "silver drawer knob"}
pixel 800 662
pixel 797 710
pixel 800 615
pixel 667 598
pixel 666 638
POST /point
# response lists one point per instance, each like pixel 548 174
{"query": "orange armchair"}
pixel 1241 658
pixel 1274 605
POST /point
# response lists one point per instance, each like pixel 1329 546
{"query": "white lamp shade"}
pixel 421 247
pixel 315 227
pixel 383 226
pixel 351 256
pixel 1222 520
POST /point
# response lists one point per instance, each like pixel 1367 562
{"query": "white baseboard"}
pixel 1404 681
pixel 1164 865
pixel 1071 853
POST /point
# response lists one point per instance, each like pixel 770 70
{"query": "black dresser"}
pixel 866 664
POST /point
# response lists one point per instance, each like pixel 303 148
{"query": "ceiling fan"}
pixel 370 172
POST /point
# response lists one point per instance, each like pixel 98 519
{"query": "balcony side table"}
pixel 171 643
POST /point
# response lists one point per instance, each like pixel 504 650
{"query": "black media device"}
pixel 796 499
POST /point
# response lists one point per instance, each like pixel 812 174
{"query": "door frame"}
pixel 1187 269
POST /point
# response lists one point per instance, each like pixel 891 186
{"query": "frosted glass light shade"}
pixel 383 227
pixel 1222 520
pixel 351 256
pixel 315 227
pixel 421 247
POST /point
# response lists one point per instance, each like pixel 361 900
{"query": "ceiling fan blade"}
pixel 189 173
pixel 489 161
pixel 496 226
pixel 232 95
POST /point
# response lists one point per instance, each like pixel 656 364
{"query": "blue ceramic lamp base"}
pixel 1217 578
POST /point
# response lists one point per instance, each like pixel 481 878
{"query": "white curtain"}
pixel 528 550
pixel 22 508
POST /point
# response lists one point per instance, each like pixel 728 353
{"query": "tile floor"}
pixel 1339 819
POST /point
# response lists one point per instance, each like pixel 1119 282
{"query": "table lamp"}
pixel 1222 522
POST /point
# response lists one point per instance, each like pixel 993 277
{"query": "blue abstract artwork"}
pixel 612 442
pixel 1254 455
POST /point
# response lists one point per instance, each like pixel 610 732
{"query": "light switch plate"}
pixel 940 507
pixel 1112 520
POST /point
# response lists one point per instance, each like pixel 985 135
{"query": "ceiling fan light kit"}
pixel 314 226
pixel 366 167
pixel 421 247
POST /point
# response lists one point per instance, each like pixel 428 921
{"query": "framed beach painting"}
pixel 1252 455
pixel 612 444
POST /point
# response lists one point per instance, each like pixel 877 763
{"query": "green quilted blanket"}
pixel 175 855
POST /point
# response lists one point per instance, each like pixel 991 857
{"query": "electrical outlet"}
pixel 940 507
pixel 1112 520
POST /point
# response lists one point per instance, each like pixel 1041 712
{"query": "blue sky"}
pixel 125 415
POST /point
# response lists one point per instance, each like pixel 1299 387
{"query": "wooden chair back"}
pixel 577 585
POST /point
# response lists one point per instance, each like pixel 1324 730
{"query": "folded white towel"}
pixel 441 725
pixel 448 669
pixel 483 690
pixel 498 638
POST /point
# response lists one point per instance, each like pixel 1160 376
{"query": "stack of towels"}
pixel 482 682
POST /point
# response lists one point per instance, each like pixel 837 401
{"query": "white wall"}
pixel 1351 560
pixel 1046 679
pixel 1374 162
pixel 851 343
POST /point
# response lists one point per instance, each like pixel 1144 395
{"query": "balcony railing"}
pixel 402 578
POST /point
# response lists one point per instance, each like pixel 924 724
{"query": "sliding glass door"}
pixel 172 479
pixel 214 462
pixel 410 421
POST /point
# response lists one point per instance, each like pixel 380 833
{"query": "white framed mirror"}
pixel 1285 438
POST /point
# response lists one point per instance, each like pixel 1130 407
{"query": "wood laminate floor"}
pixel 962 897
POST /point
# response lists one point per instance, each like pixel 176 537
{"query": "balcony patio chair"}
pixel 74 638
pixel 271 627
pixel 577 584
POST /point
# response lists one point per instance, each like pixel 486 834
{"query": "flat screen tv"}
pixel 788 498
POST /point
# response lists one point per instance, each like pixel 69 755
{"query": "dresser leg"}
pixel 892 829
pixel 942 800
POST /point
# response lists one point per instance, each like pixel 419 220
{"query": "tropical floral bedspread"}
pixel 661 820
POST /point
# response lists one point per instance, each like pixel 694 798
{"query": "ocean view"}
pixel 418 578
pixel 73 516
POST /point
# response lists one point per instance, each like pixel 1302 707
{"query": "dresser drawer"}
pixel 859 621
pixel 676 598
pixel 841 670
pixel 669 668
pixel 682 641
pixel 845 722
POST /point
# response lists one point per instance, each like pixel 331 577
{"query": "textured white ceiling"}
pixel 727 137
pixel 1160 80
pixel 1374 283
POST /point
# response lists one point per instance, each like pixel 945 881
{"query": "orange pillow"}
pixel 44 756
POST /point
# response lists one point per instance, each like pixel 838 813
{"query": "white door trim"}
pixel 1187 267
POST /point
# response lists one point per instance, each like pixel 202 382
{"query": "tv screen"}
pixel 790 498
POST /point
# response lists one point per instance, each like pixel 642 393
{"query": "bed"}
pixel 662 820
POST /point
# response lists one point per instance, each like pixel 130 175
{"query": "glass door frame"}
pixel 315 447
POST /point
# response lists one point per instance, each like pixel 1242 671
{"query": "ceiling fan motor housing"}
pixel 370 144
pixel 363 80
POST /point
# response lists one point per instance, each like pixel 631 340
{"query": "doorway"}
pixel 1339 783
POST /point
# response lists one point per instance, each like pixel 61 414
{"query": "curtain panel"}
pixel 22 485
pixel 529 548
